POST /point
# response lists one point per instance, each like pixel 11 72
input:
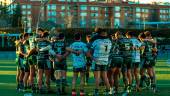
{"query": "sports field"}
pixel 8 85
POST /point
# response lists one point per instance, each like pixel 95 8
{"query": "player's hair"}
pixel 130 33
pixel 142 35
pixel 101 30
pixel 77 36
pixel 118 33
pixel 61 36
pixel 40 29
pixel 25 35
pixel 147 34
pixel 45 34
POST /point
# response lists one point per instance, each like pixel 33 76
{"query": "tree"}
pixel 17 15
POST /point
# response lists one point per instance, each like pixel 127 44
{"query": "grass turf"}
pixel 8 85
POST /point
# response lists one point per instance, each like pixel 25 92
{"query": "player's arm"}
pixel 21 52
pixel 151 40
pixel 32 51
pixel 73 51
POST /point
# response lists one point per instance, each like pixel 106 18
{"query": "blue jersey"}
pixel 79 61
pixel 136 52
pixel 101 51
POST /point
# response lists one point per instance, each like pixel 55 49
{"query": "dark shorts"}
pixel 27 67
pixel 32 60
pixel 100 67
pixel 149 63
pixel 89 61
pixel 20 62
pixel 127 61
pixel 116 62
pixel 127 64
pixel 60 65
pixel 44 64
pixel 83 69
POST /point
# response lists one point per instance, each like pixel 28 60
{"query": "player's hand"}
pixel 59 57
pixel 78 52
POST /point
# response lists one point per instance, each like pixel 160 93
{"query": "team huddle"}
pixel 109 57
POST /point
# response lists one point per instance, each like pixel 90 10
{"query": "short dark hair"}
pixel 61 36
pixel 45 34
pixel 40 29
pixel 77 36
pixel 25 35
pixel 142 35
pixel 100 30
pixel 130 33
pixel 147 34
pixel 119 33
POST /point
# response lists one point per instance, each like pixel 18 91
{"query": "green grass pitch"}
pixel 8 85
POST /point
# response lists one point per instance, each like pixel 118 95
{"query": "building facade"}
pixel 92 13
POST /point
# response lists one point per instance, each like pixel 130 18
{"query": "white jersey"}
pixel 79 61
pixel 101 49
pixel 136 53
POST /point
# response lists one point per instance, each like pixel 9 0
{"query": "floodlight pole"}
pixel 39 15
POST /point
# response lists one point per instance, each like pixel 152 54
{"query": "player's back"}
pixel 44 53
pixel 102 48
pixel 79 59
pixel 59 46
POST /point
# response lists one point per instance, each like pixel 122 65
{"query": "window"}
pixel 117 23
pixel 82 7
pixel 74 0
pixel 106 15
pixel 51 7
pixel 94 14
pixel 83 14
pixel 24 12
pixel 82 0
pixel 137 20
pixel 24 7
pixel 93 22
pixel 62 14
pixel 82 23
pixel 28 6
pixel 28 12
pixel 92 0
pixel 146 10
pixel 62 0
pixel 138 9
pixel 51 13
pixel 94 8
pixel 117 8
pixel 63 7
pixel 69 13
pixel 137 15
pixel 117 14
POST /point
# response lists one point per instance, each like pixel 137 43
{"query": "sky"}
pixel 8 1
